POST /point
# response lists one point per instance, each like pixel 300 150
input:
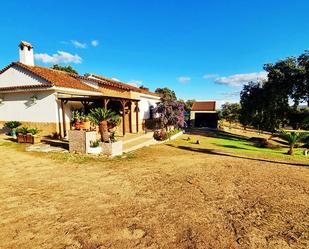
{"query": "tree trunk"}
pixel 103 127
pixel 291 150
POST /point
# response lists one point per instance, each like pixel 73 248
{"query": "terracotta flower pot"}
pixel 77 125
pixel 21 138
pixel 29 138
pixel 86 125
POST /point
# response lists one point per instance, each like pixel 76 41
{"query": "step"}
pixel 139 143
pixel 140 136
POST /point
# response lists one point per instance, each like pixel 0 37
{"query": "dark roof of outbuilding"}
pixel 204 106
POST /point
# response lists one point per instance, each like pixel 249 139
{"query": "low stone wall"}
pixel 79 141
pixel 44 127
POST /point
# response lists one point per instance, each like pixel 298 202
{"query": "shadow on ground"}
pixel 219 153
pixel 216 134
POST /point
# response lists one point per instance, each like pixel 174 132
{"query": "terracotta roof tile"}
pixel 69 80
pixel 58 78
pixel 204 106
pixel 25 87
pixel 54 77
pixel 121 85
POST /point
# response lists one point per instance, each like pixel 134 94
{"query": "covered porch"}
pixel 127 108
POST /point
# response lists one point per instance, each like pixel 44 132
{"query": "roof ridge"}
pixel 125 84
pixel 45 73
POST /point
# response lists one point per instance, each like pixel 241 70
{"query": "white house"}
pixel 43 98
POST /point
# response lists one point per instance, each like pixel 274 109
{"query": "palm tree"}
pixel 101 117
pixel 293 138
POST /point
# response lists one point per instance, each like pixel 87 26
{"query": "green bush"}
pixel 22 130
pixel 12 124
pixel 173 132
pixel 95 143
pixel 33 131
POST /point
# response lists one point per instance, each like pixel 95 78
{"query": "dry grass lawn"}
pixel 160 197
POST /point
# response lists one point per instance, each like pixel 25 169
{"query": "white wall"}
pixel 18 106
pixel 16 76
pixel 145 103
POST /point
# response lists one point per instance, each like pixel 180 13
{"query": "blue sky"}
pixel 201 49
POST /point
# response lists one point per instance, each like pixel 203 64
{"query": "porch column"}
pixel 105 102
pixel 63 119
pixel 130 117
pixel 123 104
pixel 137 111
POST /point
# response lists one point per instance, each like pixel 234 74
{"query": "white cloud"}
pixel 241 79
pixel 78 44
pixel 136 83
pixel 94 43
pixel 59 57
pixel 210 76
pixel 183 79
pixel 115 79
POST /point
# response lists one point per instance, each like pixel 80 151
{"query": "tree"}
pixel 302 87
pixel 187 104
pixel 144 88
pixel 170 113
pixel 230 112
pixel 292 138
pixel 166 93
pixel 298 118
pixel 68 68
pixel 266 105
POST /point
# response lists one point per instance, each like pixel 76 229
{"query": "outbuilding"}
pixel 204 114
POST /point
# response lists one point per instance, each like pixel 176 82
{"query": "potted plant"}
pixel 95 147
pixel 35 138
pixel 12 125
pixel 113 123
pixel 84 122
pixel 28 137
pixel 76 118
pixel 101 117
pixel 22 134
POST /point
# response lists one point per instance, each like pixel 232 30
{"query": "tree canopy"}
pixel 267 105
pixel 68 68
pixel 166 93
pixel 230 112
pixel 187 104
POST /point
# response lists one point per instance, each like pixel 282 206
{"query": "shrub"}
pixel 114 121
pixel 95 143
pixel 173 132
pixel 12 124
pixel 22 130
pixel 33 131
pixel 292 138
pixel 160 135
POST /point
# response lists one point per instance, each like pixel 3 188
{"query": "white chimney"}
pixel 26 53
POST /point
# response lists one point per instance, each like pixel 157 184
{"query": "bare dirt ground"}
pixel 161 197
